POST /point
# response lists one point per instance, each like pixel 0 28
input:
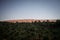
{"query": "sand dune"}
pixel 29 20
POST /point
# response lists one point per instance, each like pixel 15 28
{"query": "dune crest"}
pixel 29 20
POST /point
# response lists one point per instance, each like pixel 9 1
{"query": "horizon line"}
pixel 28 19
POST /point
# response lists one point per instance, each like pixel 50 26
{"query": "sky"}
pixel 29 9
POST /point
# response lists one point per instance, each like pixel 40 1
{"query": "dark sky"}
pixel 29 9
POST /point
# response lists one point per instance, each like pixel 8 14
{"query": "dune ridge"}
pixel 29 20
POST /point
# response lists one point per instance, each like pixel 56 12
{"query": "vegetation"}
pixel 30 31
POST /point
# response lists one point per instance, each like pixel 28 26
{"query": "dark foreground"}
pixel 30 31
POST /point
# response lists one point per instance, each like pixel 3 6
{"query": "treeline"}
pixel 30 31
